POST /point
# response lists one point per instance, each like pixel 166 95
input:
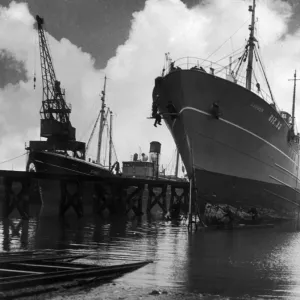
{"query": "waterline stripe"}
pixel 286 199
pixel 239 127
pixel 297 191
pixel 282 168
pixel 280 181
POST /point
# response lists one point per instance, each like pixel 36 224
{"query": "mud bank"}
pixel 120 291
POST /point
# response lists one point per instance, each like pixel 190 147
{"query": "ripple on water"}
pixel 261 263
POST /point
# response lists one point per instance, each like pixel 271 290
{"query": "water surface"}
pixel 262 263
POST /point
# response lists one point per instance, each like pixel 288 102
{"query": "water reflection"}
pixel 259 263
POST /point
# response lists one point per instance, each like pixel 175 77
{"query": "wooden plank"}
pixel 34 252
pixel 34 291
pixel 53 266
pixel 67 264
pixel 20 271
pixel 4 260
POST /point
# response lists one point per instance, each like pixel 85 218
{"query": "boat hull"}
pixel 240 157
pixel 60 164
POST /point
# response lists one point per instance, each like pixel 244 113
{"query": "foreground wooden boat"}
pixel 31 270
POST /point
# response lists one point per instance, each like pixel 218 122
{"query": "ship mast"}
pixel 177 163
pixel 251 46
pixel 294 101
pixel 110 141
pixel 101 122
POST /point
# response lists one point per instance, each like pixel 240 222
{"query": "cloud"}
pixel 162 26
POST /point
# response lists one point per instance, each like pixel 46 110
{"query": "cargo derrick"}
pixel 55 112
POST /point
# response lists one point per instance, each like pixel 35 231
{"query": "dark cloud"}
pixel 100 26
pixel 11 70
pixel 163 25
pixel 97 26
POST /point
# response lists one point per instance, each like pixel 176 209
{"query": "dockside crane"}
pixel 54 112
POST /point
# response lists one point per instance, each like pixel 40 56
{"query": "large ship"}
pixel 61 152
pixel 237 146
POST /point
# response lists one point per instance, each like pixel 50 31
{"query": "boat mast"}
pixel 101 121
pixel 251 46
pixel 177 163
pixel 110 140
pixel 294 100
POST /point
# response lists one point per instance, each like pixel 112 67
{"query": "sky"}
pixel 127 41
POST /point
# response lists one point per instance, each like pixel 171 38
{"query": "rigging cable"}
pixel 115 152
pixel 264 73
pixel 232 54
pixel 242 59
pixel 227 40
pixel 87 129
pixel 107 135
pixel 92 133
pixel 221 69
pixel 34 66
pixel 171 161
pixel 8 160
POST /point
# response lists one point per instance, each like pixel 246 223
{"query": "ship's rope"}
pixel 220 69
pixel 114 153
pixel 106 143
pixel 92 122
pixel 241 59
pixel 223 68
pixel 87 147
pixel 8 160
pixel 35 55
pixel 234 53
pixel 171 160
pixel 264 73
pixel 238 74
pixel 227 40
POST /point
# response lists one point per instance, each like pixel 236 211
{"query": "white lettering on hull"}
pixel 258 108
pixel 275 122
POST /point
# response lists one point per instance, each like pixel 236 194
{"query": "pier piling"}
pixel 136 197
pixel 69 199
pixel 182 198
pixel 18 200
pixel 57 193
pixel 159 198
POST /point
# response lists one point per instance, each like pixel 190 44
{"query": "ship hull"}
pixel 216 188
pixel 56 163
pixel 242 157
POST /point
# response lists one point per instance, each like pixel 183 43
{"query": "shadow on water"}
pixel 230 263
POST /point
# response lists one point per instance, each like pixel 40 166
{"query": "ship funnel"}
pixel 154 155
pixel 155 147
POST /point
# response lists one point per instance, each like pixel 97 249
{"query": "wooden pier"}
pixel 117 195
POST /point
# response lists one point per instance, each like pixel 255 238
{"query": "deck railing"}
pixel 210 67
